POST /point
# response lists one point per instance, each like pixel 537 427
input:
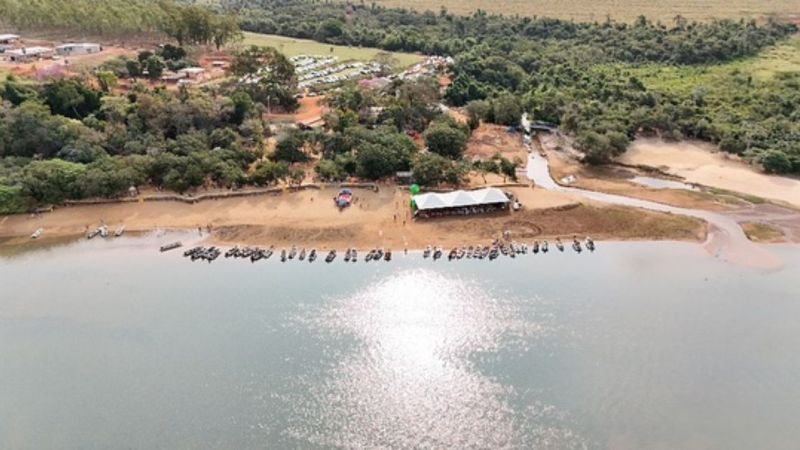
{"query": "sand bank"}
pixel 702 163
pixel 381 218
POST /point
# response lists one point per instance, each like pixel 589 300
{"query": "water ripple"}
pixel 410 381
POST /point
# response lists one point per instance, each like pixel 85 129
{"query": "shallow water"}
pixel 660 183
pixel 109 344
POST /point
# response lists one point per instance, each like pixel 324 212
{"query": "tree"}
pixel 507 110
pixel 70 97
pixel 328 170
pixel 243 107
pixel 374 162
pixel 107 80
pixel 269 172
pixel 328 30
pixel 52 181
pixel 296 176
pixel 290 149
pixel 155 66
pixel 266 75
pixel 430 169
pixel 447 139
pixel 477 111
pixel 776 161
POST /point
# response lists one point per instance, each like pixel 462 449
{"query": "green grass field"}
pixel 620 10
pixel 781 58
pixel 291 47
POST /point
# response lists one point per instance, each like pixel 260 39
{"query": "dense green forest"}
pixel 184 21
pixel 575 74
pixel 72 138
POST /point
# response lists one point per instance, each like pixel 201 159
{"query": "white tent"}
pixel 458 199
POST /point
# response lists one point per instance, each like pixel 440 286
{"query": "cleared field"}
pixel 291 47
pixel 781 58
pixel 620 10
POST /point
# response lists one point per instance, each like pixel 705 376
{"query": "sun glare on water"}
pixel 411 382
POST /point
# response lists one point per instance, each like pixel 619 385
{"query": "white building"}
pixel 192 72
pixel 83 48
pixel 27 54
pixel 8 39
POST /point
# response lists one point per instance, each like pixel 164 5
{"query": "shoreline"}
pixel 377 219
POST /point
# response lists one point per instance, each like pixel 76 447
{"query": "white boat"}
pixel 37 233
pixel 103 230
pixel 120 230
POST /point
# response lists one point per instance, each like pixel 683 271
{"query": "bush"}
pixel 446 139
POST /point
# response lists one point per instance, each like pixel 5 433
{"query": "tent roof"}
pixel 457 199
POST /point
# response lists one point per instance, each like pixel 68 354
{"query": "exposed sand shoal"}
pixel 309 218
pixel 702 163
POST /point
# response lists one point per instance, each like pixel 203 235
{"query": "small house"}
pixel 27 54
pixel 192 73
pixel 83 48
pixel 9 39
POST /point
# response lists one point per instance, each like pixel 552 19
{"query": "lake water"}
pixel 111 345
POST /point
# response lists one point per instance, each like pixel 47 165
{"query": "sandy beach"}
pixel 381 218
pixel 702 163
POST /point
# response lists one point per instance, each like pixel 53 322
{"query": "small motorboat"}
pixel 559 245
pixel 103 230
pixel 302 255
pixel 589 244
pixel 370 256
pixel 535 247
pixel 452 255
pixel 120 230
pixel 378 255
pixel 231 252
pixel 545 247
pixel 427 252
pixel 331 256
pixel 37 233
pixel 387 256
pixel 258 254
pixel 283 255
pixel 576 245
pixel 91 234
pixel 354 256
pixel 437 253
pixel 312 255
pixel 170 246
pixel 347 256
pixel 293 253
pixel 192 251
pixel 268 252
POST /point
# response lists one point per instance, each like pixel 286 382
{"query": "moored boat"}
pixel 331 256
pixel 170 246
pixel 120 230
pixel 37 233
